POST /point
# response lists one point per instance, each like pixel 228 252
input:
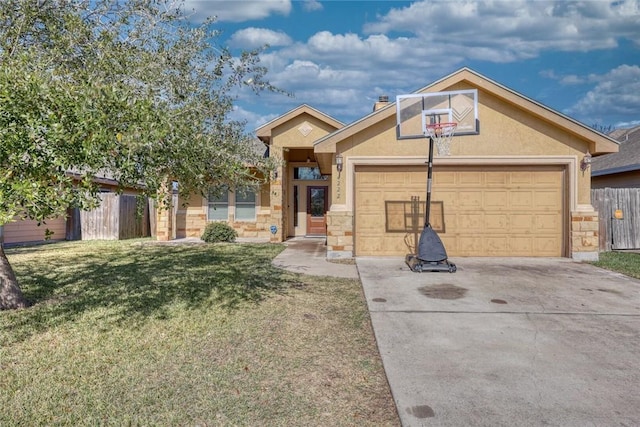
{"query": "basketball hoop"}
pixel 441 134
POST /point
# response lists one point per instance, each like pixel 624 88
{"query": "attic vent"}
pixel 305 129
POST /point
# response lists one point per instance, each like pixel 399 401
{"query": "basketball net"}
pixel 441 133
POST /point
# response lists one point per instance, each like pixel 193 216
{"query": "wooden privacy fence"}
pixel 118 217
pixel 620 231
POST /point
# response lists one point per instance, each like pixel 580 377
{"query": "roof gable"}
pixel 264 132
pixel 598 142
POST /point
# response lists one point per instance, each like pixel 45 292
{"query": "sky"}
pixel 580 58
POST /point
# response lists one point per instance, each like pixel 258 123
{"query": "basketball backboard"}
pixel 415 111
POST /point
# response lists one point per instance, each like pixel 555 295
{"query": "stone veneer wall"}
pixel 190 224
pixel 259 228
pixel 195 224
pixel 339 234
pixel 584 236
pixel 163 225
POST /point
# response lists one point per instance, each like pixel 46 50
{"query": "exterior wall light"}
pixel 339 162
pixel 586 162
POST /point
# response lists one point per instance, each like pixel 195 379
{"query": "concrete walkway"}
pixel 307 255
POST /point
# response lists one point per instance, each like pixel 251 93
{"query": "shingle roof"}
pixel 626 159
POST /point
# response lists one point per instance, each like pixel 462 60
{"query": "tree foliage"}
pixel 129 90
pixel 603 129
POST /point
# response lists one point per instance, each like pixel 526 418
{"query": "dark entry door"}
pixel 316 210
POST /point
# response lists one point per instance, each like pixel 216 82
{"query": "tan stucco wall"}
pixel 289 134
pixel 504 131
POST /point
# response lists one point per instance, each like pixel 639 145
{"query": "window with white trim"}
pixel 218 206
pixel 245 205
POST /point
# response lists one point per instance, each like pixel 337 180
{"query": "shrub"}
pixel 219 232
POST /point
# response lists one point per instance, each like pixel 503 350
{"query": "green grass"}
pixel 137 333
pixel 627 263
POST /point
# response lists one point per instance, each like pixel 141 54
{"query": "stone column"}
pixel 277 202
pixel 585 236
pixel 340 234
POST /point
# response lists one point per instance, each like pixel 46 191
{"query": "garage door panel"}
pixel 488 211
pixel 470 179
pixel 368 199
pixel 499 179
pixel 498 245
pixel 496 200
pixel 495 223
pixel 442 178
pixel 467 246
pixel 546 245
pixel 469 223
pixel 519 223
pixel 394 178
pixel 470 199
pixel 522 199
pixel 547 222
pixel 521 178
pixel 546 199
pixel 546 178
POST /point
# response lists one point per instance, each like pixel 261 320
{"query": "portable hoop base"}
pixel 418 266
pixel 431 255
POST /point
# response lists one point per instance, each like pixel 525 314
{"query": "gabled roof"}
pixel 264 131
pixel 625 160
pixel 599 143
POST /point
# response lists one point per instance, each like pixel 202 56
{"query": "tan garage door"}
pixel 487 211
pixel 29 231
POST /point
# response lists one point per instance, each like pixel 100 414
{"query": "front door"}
pixel 317 201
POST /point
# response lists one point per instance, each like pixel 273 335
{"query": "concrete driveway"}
pixel 507 342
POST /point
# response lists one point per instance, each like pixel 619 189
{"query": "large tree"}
pixel 126 89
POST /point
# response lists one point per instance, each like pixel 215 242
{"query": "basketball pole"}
pixel 427 208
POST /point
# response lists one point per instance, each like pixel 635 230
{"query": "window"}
pixel 218 206
pixel 308 173
pixel 245 205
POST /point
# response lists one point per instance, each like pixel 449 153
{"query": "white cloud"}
pixel 255 37
pixel 504 31
pixel 617 93
pixel 234 10
pixel 572 79
pixel 409 47
pixel 311 5
pixel 252 119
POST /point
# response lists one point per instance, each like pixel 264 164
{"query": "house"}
pixel 515 184
pixel 283 202
pixel 61 228
pixel 615 180
pixel 621 169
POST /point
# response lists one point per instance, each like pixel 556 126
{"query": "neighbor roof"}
pixel 625 160
pixel 600 142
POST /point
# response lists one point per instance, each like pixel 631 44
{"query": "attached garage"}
pixel 488 210
pixel 513 182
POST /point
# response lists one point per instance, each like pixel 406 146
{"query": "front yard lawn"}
pixel 140 333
